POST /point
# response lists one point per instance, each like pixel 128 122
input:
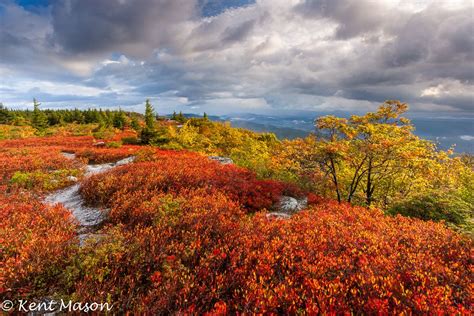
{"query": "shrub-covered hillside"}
pixel 371 160
pixel 184 234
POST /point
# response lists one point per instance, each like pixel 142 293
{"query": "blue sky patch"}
pixel 216 7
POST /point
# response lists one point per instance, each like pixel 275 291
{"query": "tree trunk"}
pixel 369 189
pixel 334 176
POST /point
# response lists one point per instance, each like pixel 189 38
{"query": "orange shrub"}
pixel 32 159
pixel 103 155
pixel 200 253
pixel 37 243
pixel 180 239
pixel 38 154
pixel 59 141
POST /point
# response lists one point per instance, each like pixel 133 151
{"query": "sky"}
pixel 232 56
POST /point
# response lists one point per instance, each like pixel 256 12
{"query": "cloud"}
pixel 352 18
pixel 136 27
pixel 240 55
pixel 467 137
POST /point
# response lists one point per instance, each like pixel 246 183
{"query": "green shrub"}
pixel 114 144
pixel 130 141
pixel 44 181
pixel 437 207
pixel 103 133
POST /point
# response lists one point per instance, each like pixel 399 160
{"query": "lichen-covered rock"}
pixel 222 160
pixel 99 144
pixel 68 155
pixel 278 215
pixel 289 205
pixel 72 178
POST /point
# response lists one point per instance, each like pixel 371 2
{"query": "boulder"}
pixel 72 178
pixel 68 155
pixel 289 205
pixel 125 161
pixel 278 215
pixel 99 144
pixel 222 160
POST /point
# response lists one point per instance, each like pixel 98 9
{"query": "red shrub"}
pixel 202 254
pixel 37 243
pixel 163 267
pixel 53 141
pixel 179 240
pixel 32 159
pixel 175 171
pixel 94 155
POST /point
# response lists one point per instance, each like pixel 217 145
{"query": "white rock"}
pixel 278 215
pixel 72 178
pixel 125 161
pixel 68 155
pixel 71 199
pixel 287 206
pixel 222 160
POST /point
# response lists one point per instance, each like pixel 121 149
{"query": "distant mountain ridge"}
pixel 446 131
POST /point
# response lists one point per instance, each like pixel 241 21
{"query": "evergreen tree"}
pixel 91 116
pixel 149 116
pixel 108 118
pixel 54 118
pixel 181 118
pixel 4 115
pixel 78 117
pixel 39 119
pixel 135 124
pixel 120 120
pixel 148 133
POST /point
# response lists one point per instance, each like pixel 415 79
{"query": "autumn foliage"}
pixel 199 252
pixel 185 234
pixel 173 172
pixel 36 241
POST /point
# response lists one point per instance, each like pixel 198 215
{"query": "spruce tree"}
pixel 181 118
pixel 39 119
pixel 135 124
pixel 120 120
pixel 4 115
pixel 149 116
pixel 148 132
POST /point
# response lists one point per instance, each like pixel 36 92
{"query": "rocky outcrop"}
pixel 68 155
pixel 87 217
pixel 99 144
pixel 278 215
pixel 72 179
pixel 222 160
pixel 287 206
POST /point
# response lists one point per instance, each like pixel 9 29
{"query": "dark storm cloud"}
pixel 91 26
pixel 21 32
pixel 433 36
